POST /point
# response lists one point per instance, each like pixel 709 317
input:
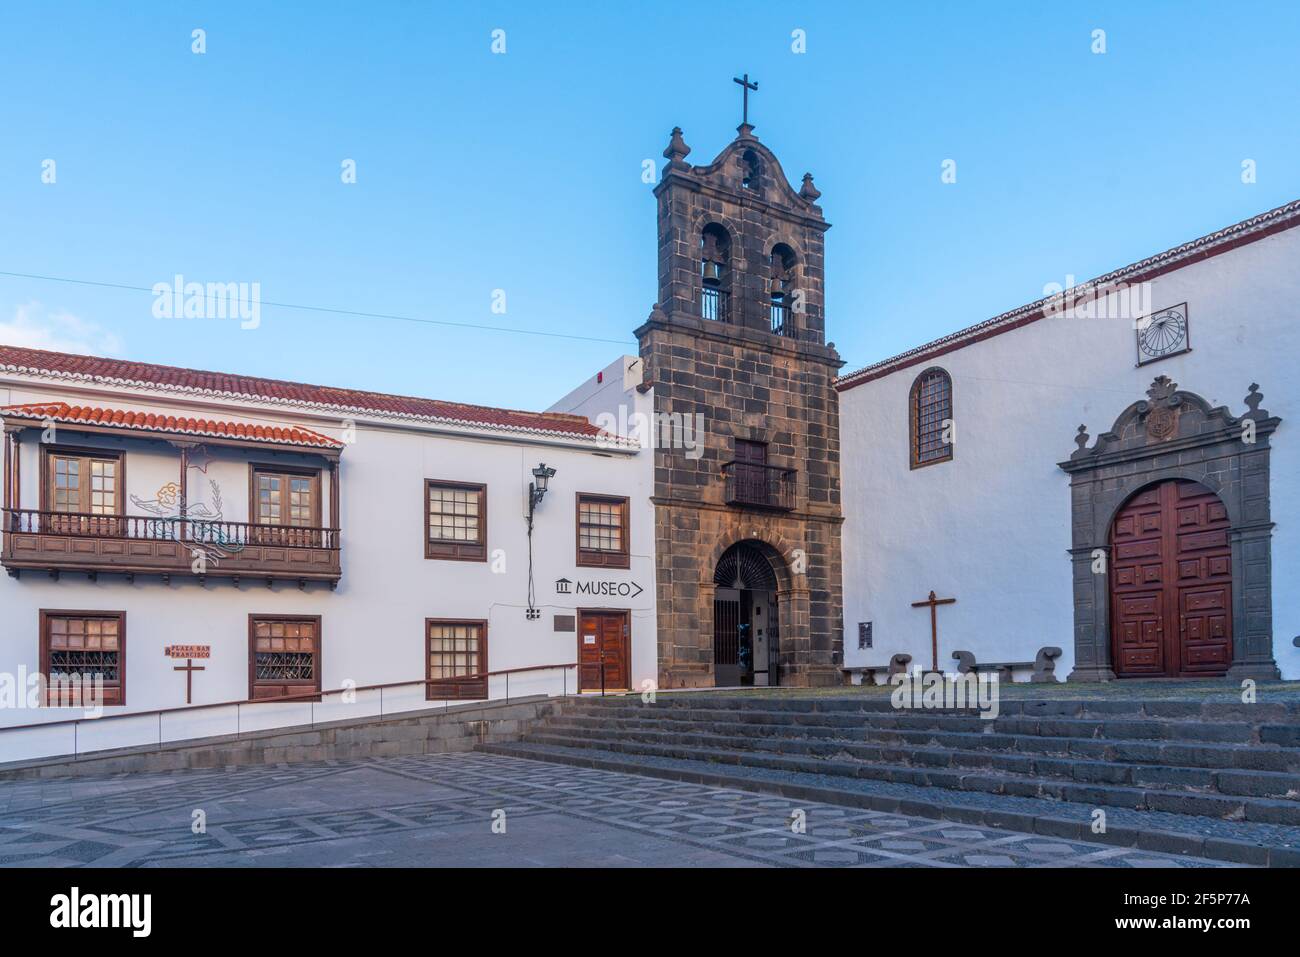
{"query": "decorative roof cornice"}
pixel 170 424
pixel 1247 231
pixel 571 428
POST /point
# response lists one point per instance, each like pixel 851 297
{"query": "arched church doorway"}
pixel 1171 583
pixel 746 629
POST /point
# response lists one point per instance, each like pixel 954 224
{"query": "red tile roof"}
pixel 122 372
pixel 151 422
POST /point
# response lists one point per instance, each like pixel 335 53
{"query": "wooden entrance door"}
pixel 603 640
pixel 1171 583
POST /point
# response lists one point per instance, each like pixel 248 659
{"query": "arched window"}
pixel 931 418
pixel 751 171
pixel 715 273
pixel 781 283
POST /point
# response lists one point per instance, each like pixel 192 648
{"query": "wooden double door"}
pixel 1171 583
pixel 604 643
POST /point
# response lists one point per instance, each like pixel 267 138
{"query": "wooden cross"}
pixel 746 86
pixel 933 604
pixel 189 668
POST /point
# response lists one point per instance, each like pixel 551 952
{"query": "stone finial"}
pixel 1081 440
pixel 677 150
pixel 1162 387
pixel 745 131
pixel 1253 399
pixel 808 191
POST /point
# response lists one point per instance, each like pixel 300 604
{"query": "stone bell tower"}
pixel 736 345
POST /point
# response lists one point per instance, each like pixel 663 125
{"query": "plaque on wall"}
pixel 565 623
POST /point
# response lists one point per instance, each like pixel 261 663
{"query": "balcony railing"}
pixel 715 304
pixel 148 544
pixel 759 486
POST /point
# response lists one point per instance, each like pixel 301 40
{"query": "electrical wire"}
pixel 338 312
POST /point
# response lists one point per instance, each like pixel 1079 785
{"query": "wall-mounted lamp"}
pixel 537 488
pixel 536 492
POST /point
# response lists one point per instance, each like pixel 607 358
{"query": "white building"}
pixel 1163 542
pixel 292 539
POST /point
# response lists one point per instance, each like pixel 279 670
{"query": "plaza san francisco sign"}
pixel 602 588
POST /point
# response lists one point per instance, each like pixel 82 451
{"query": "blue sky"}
pixel 522 171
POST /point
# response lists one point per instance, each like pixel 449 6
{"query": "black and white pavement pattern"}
pixel 440 810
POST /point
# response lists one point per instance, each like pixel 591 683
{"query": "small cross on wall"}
pixel 189 668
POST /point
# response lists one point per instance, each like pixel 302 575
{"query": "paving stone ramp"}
pixel 435 731
pixel 1212 779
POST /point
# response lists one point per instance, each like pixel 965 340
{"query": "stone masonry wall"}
pixel 777 394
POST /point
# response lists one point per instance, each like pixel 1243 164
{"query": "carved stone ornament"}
pixel 1163 409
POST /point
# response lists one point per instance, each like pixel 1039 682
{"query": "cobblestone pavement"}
pixel 439 810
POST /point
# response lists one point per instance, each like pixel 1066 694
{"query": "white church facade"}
pixel 1071 475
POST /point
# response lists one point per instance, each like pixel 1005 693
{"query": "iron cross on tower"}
pixel 745 86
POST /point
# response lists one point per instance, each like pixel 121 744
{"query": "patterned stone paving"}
pixel 439 810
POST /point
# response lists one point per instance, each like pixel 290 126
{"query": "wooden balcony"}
pixel 759 486
pixel 56 542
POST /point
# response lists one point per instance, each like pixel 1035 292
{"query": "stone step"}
pixel 1247 782
pixel 1228 807
pixel 1235 841
pixel 1135 729
pixel 1263 712
pixel 976 736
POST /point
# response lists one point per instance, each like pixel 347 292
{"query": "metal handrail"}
pixel 311 697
